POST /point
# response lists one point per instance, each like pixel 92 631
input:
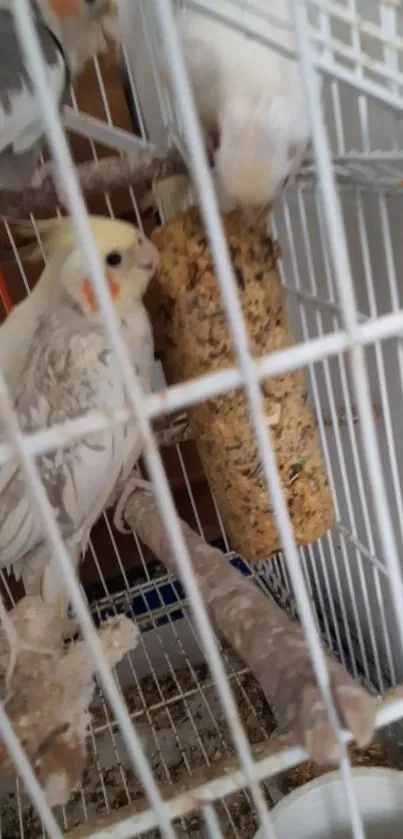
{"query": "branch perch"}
pixel 270 644
pixel 138 169
pixel 50 689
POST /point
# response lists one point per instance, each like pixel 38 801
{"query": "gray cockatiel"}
pixel 69 33
pixel 56 359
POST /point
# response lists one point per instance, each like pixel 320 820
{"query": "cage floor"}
pixel 171 698
pixel 174 705
pixel 183 729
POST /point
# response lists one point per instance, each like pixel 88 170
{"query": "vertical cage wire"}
pixel 345 481
pixel 30 45
pixel 60 150
pixel 337 241
pixel 313 350
pixel 352 503
pixel 227 283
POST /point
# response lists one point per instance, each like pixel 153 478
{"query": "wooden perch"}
pixel 49 691
pixel 270 644
pixel 138 169
pixel 178 430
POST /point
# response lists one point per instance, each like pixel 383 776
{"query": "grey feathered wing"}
pixel 68 373
pixel 21 124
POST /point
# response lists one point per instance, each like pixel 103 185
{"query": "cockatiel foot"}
pixel 133 483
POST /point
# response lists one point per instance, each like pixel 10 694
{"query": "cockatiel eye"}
pixel 113 259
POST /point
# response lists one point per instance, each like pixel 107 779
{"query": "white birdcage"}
pixel 342 258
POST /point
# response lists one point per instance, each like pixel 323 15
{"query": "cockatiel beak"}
pixel 147 258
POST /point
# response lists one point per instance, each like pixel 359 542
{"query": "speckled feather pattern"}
pixel 197 340
pixel 70 371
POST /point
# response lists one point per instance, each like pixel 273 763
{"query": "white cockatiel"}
pixel 250 103
pixel 57 362
pixel 69 33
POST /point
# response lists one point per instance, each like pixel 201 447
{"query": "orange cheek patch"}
pixel 114 286
pixel 89 293
pixel 63 8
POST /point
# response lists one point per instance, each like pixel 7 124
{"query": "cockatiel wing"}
pixel 251 97
pixel 67 373
pixel 21 125
pixel 17 331
pixel 203 67
pixel 60 368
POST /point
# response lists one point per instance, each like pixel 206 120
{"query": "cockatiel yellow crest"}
pixel 56 358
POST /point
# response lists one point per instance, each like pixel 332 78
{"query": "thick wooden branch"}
pixel 270 644
pixel 138 169
pixel 48 690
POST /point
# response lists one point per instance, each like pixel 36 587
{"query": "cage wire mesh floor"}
pixel 173 702
pixel 165 683
pixel 171 698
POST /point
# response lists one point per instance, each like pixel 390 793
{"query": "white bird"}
pixel 56 359
pixel 250 103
